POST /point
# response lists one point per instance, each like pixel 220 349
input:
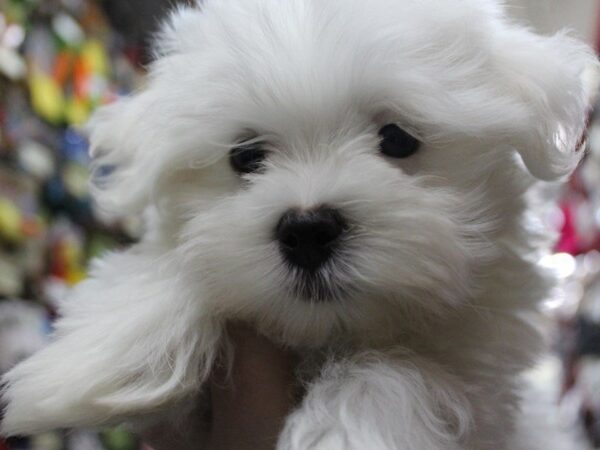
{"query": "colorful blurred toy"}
pixel 59 60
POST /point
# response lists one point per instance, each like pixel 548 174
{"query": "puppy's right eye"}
pixel 397 143
pixel 247 158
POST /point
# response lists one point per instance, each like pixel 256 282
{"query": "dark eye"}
pixel 247 158
pixel 397 143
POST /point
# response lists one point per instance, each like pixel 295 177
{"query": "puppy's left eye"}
pixel 397 143
pixel 247 158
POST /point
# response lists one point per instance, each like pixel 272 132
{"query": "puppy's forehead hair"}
pixel 310 62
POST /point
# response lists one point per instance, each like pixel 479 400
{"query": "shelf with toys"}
pixel 59 60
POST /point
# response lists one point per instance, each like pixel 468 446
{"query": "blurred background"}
pixel 61 59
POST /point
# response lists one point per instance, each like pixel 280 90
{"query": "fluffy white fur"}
pixel 435 292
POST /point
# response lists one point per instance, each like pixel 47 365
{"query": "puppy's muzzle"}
pixel 309 238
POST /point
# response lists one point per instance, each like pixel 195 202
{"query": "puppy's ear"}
pixel 130 139
pixel 121 148
pixel 545 79
pixel 130 343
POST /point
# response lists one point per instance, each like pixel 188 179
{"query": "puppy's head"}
pixel 325 166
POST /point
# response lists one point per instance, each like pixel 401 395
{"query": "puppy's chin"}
pixel 308 324
pixel 327 284
pixel 312 311
pixel 315 287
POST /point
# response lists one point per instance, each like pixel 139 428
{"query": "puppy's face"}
pixel 334 166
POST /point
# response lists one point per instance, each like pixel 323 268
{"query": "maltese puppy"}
pixel 354 178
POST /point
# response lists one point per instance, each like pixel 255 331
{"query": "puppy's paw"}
pixel 380 402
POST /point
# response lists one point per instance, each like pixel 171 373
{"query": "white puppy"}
pixel 352 177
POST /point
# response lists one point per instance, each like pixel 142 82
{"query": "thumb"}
pixel 249 408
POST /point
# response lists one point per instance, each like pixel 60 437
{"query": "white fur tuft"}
pixel 129 343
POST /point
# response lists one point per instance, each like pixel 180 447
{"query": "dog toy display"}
pixel 358 180
pixel 60 58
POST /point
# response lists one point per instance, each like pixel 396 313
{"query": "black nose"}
pixel 308 238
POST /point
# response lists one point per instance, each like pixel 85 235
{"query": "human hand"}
pixel 249 408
